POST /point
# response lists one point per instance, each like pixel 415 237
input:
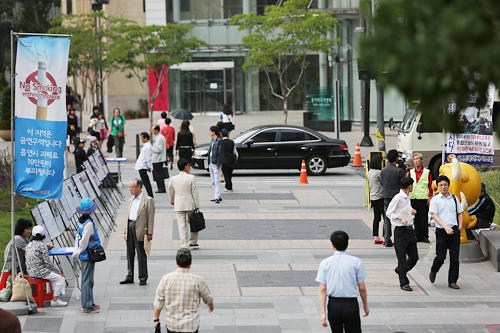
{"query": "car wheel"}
pixel 316 165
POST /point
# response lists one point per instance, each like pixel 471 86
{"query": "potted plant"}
pixel 143 106
pixel 128 114
pixel 137 114
pixel 5 112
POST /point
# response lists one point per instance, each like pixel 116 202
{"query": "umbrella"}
pixel 181 114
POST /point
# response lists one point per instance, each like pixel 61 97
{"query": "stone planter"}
pixel 5 134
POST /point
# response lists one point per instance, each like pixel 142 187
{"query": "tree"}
pixel 138 49
pixel 28 15
pixel 284 36
pixel 89 49
pixel 435 51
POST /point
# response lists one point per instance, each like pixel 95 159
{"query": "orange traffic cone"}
pixel 357 156
pixel 303 173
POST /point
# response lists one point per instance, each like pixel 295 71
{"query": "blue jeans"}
pixel 87 284
pixel 387 222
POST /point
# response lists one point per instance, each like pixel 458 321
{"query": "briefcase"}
pixel 165 173
pixel 197 221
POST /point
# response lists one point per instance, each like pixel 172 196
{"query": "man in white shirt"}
pixel 447 211
pixel 159 157
pixel 400 213
pixel 143 164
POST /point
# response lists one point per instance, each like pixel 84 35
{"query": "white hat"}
pixel 38 230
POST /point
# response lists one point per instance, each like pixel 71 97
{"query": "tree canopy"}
pixel 284 36
pixel 136 49
pixel 435 51
pixel 30 15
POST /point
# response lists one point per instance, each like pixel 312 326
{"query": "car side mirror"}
pixel 391 124
pixel 249 142
pixel 420 128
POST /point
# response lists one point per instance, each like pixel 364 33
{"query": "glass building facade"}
pixel 214 75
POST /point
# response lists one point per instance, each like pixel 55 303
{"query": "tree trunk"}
pixel 285 109
pixel 151 113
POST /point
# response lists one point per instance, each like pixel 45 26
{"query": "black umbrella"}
pixel 181 114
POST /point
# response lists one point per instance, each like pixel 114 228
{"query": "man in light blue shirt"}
pixel 447 211
pixel 340 277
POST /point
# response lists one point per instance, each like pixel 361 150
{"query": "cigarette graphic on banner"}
pixel 41 103
pixel 40 107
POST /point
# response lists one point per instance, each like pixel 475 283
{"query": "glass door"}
pixel 191 82
pixel 214 90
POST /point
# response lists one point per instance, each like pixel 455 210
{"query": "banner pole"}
pixel 12 183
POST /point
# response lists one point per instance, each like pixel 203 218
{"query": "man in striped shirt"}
pixel 181 292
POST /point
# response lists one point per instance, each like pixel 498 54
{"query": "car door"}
pixel 259 151
pixel 294 144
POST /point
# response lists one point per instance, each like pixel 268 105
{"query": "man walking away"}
pixel 215 160
pixel 400 212
pixel 391 178
pixel 143 164
pixel 447 211
pixel 230 158
pixel 159 157
pixel 169 134
pixel 180 292
pixel 421 197
pixel 340 277
pixel 140 224
pixel 183 194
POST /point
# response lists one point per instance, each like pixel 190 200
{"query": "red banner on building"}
pixel 161 101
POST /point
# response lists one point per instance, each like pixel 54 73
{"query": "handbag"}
pixel 104 133
pixel 121 134
pixel 197 221
pixel 97 254
pixel 165 173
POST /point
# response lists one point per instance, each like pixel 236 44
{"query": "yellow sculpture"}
pixel 466 185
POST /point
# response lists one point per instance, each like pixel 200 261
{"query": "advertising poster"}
pixel 161 101
pixel 40 109
pixel 71 196
pixel 57 216
pixel 475 144
pixel 48 219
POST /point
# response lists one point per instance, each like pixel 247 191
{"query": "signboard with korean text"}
pixel 40 109
pixel 79 185
pixel 71 196
pixel 37 217
pixel 475 144
pixel 48 219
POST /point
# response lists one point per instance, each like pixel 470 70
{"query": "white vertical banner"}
pixel 41 127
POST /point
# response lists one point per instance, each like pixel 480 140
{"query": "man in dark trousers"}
pixel 144 161
pixel 231 156
pixel 80 155
pixel 484 211
pixel 340 277
pixel 401 213
pixel 421 197
pixel 391 178
pixel 447 211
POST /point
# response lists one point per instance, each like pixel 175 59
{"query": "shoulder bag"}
pixel 97 254
pixel 197 221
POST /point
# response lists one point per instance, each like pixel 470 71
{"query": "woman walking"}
pixel 118 131
pixel 185 142
pixel 86 238
pixel 376 196
pixel 72 125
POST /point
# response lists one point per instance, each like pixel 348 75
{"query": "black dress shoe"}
pixel 388 243
pixel 160 191
pixel 126 281
pixel 406 287
pixel 217 201
pixel 432 277
pixel 427 240
pixel 192 245
pixel 143 283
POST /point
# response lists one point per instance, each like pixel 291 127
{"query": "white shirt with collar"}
pixel 145 158
pixel 447 209
pixel 400 201
pixel 134 208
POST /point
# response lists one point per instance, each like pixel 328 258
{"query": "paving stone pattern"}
pixel 279 229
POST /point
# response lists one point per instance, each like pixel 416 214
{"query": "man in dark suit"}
pixel 139 229
pixel 231 156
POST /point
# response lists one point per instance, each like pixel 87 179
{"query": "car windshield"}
pixel 409 118
pixel 244 136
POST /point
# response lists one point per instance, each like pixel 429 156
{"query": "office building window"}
pixel 262 4
pixel 232 7
pixel 69 7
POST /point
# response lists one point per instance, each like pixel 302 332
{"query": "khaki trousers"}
pixel 183 225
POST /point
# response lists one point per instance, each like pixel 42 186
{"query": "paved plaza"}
pixel 260 253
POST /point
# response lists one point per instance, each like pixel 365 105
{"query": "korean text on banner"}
pixel 475 144
pixel 41 72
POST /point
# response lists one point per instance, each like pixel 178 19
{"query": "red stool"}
pixel 40 296
pixel 3 283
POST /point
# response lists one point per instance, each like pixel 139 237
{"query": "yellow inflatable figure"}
pixel 466 185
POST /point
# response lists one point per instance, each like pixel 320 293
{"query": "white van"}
pixel 414 137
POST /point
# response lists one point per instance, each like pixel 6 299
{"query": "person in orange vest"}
pixel 421 197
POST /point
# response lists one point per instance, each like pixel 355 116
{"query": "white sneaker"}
pixel 226 190
pixel 58 303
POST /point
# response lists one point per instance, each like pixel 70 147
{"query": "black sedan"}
pixel 282 147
